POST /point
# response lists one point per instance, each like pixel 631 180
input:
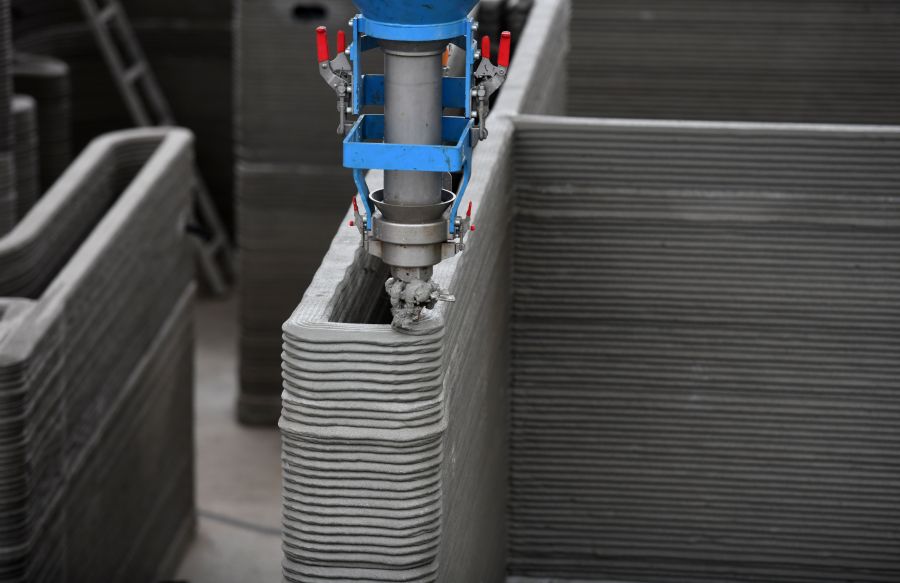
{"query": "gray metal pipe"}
pixel 413 77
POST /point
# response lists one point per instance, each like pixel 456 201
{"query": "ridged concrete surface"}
pixel 27 153
pixel 827 61
pixel 705 341
pixel 96 365
pixel 395 451
pixel 8 196
pixel 362 424
pixel 189 46
pixel 292 189
pixel 46 80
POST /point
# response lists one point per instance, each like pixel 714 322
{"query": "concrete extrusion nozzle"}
pixel 413 223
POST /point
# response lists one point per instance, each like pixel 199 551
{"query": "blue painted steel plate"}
pixel 420 12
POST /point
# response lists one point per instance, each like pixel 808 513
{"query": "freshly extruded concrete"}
pixel 95 364
pixel 824 61
pixel 395 444
pixel 705 339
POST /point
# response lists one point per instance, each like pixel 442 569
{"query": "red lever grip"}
pixel 505 45
pixel 486 48
pixel 341 41
pixel 322 43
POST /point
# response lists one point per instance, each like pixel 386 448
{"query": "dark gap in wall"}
pixel 364 300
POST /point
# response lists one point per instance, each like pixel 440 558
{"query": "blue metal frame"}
pixel 364 147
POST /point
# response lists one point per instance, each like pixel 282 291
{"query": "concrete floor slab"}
pixel 238 468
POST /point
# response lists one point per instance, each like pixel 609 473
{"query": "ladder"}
pixel 148 107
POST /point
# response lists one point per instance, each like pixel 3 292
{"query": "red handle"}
pixel 505 43
pixel 341 41
pixel 486 48
pixel 322 43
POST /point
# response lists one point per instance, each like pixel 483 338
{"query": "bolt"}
pixel 352 223
pixel 477 55
pixel 474 27
pixel 349 110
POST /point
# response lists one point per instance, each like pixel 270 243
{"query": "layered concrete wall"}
pixel 705 336
pixel 395 444
pixel 189 45
pixel 753 60
pixel 47 81
pixel 291 185
pixel 9 202
pixel 96 368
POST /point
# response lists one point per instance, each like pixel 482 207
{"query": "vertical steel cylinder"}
pixel 413 78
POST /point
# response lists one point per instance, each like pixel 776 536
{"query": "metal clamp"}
pixel 337 72
pixel 491 77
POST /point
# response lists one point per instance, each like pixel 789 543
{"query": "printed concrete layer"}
pixel 44 241
pixel 8 197
pixel 26 154
pixel 292 189
pixel 190 51
pixel 286 218
pixel 46 80
pixel 705 340
pixel 830 61
pixel 430 408
pixel 96 365
pixel 9 200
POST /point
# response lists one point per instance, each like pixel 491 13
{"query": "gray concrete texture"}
pixel 46 80
pixel 96 368
pixel 704 359
pixel 702 328
pixel 9 203
pixel 189 47
pixel 823 61
pixel 27 153
pixel 394 445
pixel 238 537
pixel 289 179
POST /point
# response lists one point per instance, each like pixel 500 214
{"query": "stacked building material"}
pixel 705 339
pixel 26 153
pixel 96 368
pixel 363 459
pixel 9 202
pixel 829 61
pixel 46 80
pixel 394 445
pixel 291 187
pixel 188 45
pixel 8 198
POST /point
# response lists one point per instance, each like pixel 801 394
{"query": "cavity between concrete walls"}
pixel 705 351
pixel 96 368
pixel 395 449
